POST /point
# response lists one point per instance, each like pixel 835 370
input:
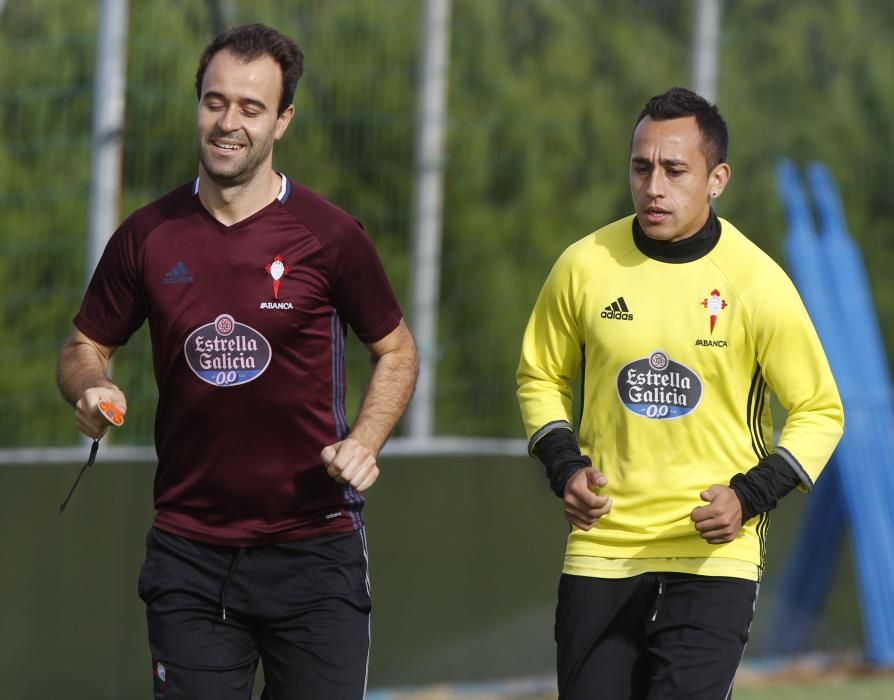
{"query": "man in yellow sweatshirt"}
pixel 680 327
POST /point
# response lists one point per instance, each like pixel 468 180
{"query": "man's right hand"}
pixel 583 507
pixel 89 417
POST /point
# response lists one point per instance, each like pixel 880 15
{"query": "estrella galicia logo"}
pixel 657 387
pixel 227 353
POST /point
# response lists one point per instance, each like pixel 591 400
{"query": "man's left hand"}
pixel 349 462
pixel 719 521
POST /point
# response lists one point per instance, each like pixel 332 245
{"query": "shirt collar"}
pixel 692 248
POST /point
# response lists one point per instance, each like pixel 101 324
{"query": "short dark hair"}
pixel 250 42
pixel 681 102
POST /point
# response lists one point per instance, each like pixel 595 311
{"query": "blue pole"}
pixel 869 412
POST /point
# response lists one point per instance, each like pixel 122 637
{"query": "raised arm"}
pixel 392 378
pixel 552 352
pixel 82 377
pixel 795 368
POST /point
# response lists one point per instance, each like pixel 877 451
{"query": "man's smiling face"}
pixel 237 123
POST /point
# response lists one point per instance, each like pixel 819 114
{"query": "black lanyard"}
pixel 89 463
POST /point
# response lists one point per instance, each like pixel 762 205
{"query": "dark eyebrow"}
pixel 211 95
pixel 665 162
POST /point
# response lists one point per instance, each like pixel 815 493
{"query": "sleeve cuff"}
pixel 543 432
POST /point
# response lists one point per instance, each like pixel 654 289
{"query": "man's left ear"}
pixel 718 178
pixel 282 121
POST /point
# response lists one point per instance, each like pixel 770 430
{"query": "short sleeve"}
pixel 361 291
pixel 114 307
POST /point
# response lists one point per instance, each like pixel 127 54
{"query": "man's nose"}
pixel 655 183
pixel 229 119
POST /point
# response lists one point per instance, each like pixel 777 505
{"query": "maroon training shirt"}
pixel 248 330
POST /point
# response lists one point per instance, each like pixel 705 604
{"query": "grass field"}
pixel 811 677
pixel 816 677
pixel 873 688
pixel 831 687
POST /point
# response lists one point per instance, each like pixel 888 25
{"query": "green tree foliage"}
pixel 542 99
pixel 811 81
pixel 45 71
pixel 542 102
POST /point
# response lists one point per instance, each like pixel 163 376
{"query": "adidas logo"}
pixel 617 310
pixel 178 275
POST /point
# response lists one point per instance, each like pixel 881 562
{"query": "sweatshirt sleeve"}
pixel 796 369
pixel 551 354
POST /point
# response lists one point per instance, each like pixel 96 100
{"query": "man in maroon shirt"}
pixel 248 282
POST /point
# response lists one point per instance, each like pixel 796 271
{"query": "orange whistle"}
pixel 112 413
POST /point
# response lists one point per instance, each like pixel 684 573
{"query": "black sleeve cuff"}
pixel 760 488
pixel 558 451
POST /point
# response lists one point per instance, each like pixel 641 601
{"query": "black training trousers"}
pixel 657 636
pixel 301 608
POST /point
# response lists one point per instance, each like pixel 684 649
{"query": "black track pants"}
pixel 301 608
pixel 658 636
